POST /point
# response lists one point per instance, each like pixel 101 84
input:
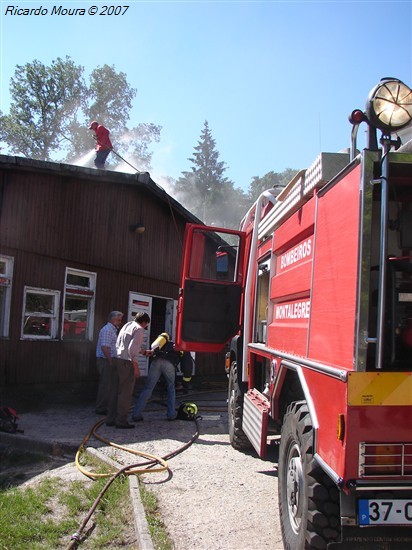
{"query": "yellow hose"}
pixel 134 469
pixel 126 470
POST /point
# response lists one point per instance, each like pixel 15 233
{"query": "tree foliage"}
pixel 44 100
pixel 211 196
pixel 53 106
pixel 276 180
pixel 205 190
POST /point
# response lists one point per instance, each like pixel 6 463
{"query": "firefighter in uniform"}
pixel 186 366
pixel 165 360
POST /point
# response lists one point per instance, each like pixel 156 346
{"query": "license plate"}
pixel 385 512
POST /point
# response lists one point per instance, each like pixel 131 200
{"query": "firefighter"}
pixel 103 143
pixel 186 366
pixel 165 360
pixel 186 362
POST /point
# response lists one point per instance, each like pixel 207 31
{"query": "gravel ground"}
pixel 211 498
pixel 214 498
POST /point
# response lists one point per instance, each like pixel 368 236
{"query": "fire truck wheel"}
pixel 308 498
pixel 237 437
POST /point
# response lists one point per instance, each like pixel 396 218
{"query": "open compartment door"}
pixel 211 288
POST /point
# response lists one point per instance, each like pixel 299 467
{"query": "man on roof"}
pixel 103 143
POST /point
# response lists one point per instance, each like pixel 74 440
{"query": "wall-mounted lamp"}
pixel 137 228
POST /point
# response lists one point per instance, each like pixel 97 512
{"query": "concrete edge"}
pixel 140 521
pixel 141 525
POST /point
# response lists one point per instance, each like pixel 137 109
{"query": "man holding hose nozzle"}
pixel 103 143
pixel 165 360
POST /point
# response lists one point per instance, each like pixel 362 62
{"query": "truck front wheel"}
pixel 308 498
pixel 237 437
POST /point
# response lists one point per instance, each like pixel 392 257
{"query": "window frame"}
pixel 53 316
pixel 6 281
pixel 78 291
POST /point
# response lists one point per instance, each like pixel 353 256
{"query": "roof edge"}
pixel 140 179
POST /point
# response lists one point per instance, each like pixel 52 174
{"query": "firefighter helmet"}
pixel 187 411
pixel 190 409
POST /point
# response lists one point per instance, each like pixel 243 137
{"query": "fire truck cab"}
pixel 313 297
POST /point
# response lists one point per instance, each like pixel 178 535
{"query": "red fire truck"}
pixel 313 299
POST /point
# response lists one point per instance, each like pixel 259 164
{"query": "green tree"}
pixel 109 101
pixel 205 190
pixel 44 100
pixel 52 108
pixel 272 179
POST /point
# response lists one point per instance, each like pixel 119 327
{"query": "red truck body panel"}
pixel 335 274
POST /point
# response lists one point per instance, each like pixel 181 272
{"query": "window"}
pixel 79 295
pixel 262 300
pixel 214 255
pixel 6 278
pixel 41 309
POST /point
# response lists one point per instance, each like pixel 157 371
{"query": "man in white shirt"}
pixel 125 370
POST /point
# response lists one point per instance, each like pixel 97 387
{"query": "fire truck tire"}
pixel 237 436
pixel 308 498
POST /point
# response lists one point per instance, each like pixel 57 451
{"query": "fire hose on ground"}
pixel 137 468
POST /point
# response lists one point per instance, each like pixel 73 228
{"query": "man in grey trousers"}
pixel 105 351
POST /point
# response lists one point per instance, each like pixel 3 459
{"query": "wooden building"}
pixel 75 244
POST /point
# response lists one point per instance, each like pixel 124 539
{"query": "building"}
pixel 75 244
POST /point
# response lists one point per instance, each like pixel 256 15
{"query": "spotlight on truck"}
pixel 388 108
pixel 389 105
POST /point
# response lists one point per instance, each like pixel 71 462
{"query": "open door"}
pixel 141 302
pixel 211 288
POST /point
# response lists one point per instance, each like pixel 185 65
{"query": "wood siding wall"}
pixel 51 221
pixel 87 222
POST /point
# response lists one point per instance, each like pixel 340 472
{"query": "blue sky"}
pixel 275 80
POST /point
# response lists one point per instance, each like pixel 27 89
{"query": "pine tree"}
pixel 205 190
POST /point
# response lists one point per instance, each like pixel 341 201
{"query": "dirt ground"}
pixel 212 497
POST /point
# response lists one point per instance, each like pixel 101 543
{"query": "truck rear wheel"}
pixel 308 498
pixel 237 436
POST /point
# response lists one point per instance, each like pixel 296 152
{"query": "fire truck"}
pixel 312 298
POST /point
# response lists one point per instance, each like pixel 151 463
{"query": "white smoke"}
pixel 126 137
pixel 123 167
pixel 164 183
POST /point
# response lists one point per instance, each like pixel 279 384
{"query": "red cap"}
pixel 93 125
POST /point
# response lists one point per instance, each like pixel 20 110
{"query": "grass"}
pixel 26 518
pixel 158 533
pixel 45 516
